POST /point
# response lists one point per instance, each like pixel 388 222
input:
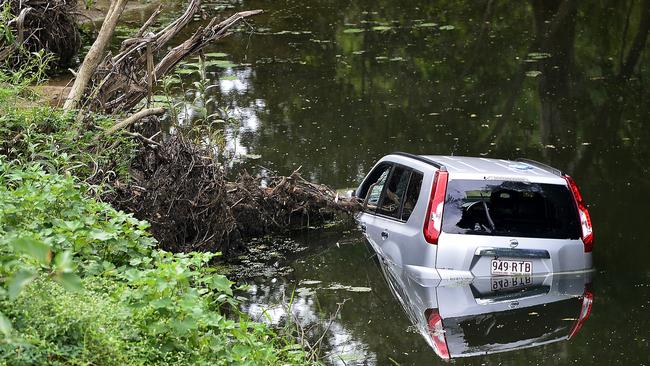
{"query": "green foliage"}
pixel 115 298
pixel 53 139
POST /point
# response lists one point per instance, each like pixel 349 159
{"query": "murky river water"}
pixel 333 85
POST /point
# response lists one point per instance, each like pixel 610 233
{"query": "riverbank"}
pixel 84 283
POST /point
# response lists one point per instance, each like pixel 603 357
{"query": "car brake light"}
pixel 433 219
pixel 583 213
pixel 437 332
pixel 587 303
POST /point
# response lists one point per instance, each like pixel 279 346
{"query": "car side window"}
pixel 412 194
pixel 394 193
pixel 376 187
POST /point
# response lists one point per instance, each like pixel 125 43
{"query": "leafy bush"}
pixel 116 299
pixel 55 140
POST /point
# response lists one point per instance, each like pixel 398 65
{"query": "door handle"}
pixel 384 234
pixel 363 228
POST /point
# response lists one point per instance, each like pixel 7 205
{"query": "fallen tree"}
pixel 40 25
pixel 181 190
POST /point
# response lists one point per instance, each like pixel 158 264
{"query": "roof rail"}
pixel 542 166
pixel 421 159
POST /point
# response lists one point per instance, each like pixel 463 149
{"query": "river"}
pixel 331 86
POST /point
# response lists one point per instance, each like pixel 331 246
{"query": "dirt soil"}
pixel 97 12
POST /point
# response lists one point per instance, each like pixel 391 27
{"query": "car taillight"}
pixel 437 332
pixel 433 219
pixel 587 302
pixel 583 213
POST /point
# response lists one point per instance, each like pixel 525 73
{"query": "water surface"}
pixel 331 86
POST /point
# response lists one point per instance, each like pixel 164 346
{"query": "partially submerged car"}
pixel 493 315
pixel 464 217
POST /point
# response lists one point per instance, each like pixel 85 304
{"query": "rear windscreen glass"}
pixel 506 208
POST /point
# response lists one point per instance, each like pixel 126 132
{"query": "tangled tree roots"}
pixel 43 24
pixel 184 195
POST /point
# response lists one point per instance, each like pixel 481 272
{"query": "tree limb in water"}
pixel 124 80
pixel 133 119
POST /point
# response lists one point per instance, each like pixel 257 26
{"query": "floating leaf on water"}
pixel 350 357
pixel 533 73
pixel 359 289
pixel 447 27
pixel 304 291
pixel 381 28
pixel 216 54
pixel 353 30
pixel 310 282
pixel 220 63
pixel 539 55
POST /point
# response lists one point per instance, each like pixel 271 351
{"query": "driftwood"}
pixel 122 81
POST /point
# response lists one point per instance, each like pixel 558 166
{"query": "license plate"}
pixel 499 284
pixel 511 267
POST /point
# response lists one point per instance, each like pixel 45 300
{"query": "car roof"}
pixel 465 167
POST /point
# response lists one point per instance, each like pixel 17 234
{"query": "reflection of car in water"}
pixel 461 217
pixel 491 315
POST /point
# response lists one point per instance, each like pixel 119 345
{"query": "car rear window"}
pixel 506 208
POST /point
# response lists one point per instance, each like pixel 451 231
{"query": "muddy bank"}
pixel 97 12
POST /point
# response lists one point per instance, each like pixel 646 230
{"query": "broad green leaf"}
pixel 161 303
pixel 381 28
pixel 426 25
pixel 101 235
pixel 18 281
pixel 353 30
pixel 447 27
pixel 185 71
pixel 63 261
pixel 34 248
pixel 5 326
pixel 70 281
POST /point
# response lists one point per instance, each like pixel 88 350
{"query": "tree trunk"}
pixel 95 55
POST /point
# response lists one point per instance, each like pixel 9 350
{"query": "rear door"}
pixel 505 228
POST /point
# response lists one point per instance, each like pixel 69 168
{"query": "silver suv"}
pixel 451 217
